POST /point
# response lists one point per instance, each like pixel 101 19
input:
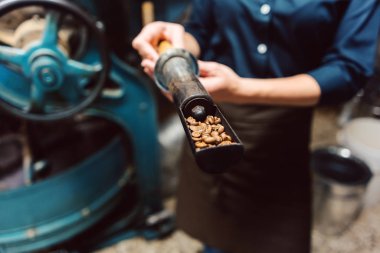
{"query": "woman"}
pixel 267 63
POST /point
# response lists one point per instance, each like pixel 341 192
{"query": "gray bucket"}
pixel 340 181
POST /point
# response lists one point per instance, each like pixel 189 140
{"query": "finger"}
pixel 148 67
pixel 146 63
pixel 152 31
pixel 211 84
pixel 149 72
pixel 203 72
pixel 175 35
pixel 145 49
pixel 147 40
pixel 208 68
pixel 208 65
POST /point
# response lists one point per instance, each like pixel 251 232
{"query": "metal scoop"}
pixel 176 72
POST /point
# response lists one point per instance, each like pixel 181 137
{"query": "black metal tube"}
pixel 176 72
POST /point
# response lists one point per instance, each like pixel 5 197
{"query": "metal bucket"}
pixel 362 136
pixel 340 182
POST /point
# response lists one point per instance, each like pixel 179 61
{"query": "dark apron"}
pixel 263 204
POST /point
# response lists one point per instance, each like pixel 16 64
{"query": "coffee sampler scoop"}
pixel 176 72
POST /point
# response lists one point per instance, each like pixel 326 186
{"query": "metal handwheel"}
pixel 43 81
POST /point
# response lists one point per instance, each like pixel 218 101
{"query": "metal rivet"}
pixel 85 212
pixel 31 233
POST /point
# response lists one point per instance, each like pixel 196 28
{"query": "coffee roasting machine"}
pixel 79 155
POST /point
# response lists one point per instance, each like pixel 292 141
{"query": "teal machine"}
pixel 79 152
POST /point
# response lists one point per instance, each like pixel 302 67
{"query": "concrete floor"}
pixel 363 236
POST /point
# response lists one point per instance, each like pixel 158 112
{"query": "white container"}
pixel 362 137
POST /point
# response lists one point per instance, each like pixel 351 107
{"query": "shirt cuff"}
pixel 335 83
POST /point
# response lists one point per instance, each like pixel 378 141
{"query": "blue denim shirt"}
pixel 332 40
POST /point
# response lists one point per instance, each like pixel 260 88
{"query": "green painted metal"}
pixel 135 111
pixel 62 207
pixel 47 68
pixel 53 210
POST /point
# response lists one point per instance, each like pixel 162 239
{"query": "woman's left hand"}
pixel 219 80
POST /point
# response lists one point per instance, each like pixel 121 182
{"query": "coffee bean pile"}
pixel 209 133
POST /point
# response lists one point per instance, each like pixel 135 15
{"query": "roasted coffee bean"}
pixel 210 120
pixel 208 134
pixel 196 134
pixel 200 144
pixel 205 136
pixel 225 137
pixel 221 129
pixel 210 140
pixel 194 128
pixel 199 129
pixel 208 129
pixel 190 120
pixel 223 143
pixel 214 133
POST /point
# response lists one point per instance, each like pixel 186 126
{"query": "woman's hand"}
pixel 146 42
pixel 220 81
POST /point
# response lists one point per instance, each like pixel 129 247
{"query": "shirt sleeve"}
pixel 350 61
pixel 200 22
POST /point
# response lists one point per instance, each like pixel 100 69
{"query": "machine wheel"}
pixel 42 81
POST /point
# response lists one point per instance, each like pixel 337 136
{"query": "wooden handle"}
pixel 147 12
pixel 163 46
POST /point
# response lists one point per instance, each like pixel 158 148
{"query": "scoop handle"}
pixel 163 46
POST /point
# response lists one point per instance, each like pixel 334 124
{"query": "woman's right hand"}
pixel 146 42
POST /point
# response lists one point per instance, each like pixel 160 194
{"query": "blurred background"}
pixel 90 148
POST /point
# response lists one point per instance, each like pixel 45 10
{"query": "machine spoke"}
pixel 50 77
pixel 37 100
pixel 71 93
pixel 12 55
pixel 50 35
pixel 81 70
